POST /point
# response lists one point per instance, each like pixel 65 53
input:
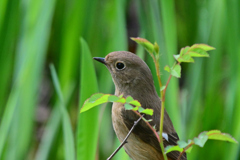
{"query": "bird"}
pixel 132 77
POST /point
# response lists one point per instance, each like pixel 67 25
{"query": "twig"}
pixel 164 91
pixel 161 129
pixel 169 78
pixel 125 140
pixel 184 150
pixel 162 94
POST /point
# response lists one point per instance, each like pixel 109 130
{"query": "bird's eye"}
pixel 120 65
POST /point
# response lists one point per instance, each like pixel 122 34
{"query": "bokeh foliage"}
pixel 35 33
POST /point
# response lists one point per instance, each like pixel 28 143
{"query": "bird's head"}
pixel 129 72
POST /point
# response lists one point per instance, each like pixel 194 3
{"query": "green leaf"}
pixel 140 109
pixel 94 97
pixel 135 108
pixel 129 99
pixel 89 105
pixel 176 56
pixel 217 135
pixel 198 52
pixel 88 126
pixel 184 50
pixel 176 71
pixel 201 139
pixel 145 43
pixel 167 68
pixel 100 98
pixel 182 144
pixel 185 58
pixel 147 111
pixel 205 47
pixel 67 128
pixel 128 106
pixel 135 103
pixel 113 98
pixel 173 148
pixel 121 100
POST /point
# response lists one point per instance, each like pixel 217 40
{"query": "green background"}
pixel 38 120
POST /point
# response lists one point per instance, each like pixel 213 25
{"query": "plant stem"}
pixel 162 117
pixel 156 62
pixel 161 130
pixel 169 78
pixel 184 150
pixel 164 91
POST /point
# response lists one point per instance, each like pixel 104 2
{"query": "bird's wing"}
pixel 147 135
pixel 141 129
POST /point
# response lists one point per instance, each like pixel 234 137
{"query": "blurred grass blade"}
pixel 29 59
pixel 9 27
pixel 7 118
pixel 232 106
pixel 75 20
pixel 52 127
pixel 167 14
pixel 67 128
pixel 49 134
pixel 3 7
pixel 87 129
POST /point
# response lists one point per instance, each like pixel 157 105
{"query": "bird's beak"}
pixel 99 59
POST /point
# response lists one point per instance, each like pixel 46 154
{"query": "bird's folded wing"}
pixel 146 134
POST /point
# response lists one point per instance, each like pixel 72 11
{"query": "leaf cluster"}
pixel 186 55
pixel 200 141
pixel 129 102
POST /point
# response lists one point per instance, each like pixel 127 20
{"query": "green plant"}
pixel 186 55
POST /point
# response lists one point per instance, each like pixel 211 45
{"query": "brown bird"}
pixel 132 77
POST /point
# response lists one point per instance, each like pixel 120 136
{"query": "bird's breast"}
pixel 135 147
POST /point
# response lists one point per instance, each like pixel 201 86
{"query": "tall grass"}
pixel 35 33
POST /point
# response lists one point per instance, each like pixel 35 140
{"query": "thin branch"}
pixel 125 140
pixel 169 78
pixel 162 94
pixel 161 129
pixel 164 91
pixel 184 150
